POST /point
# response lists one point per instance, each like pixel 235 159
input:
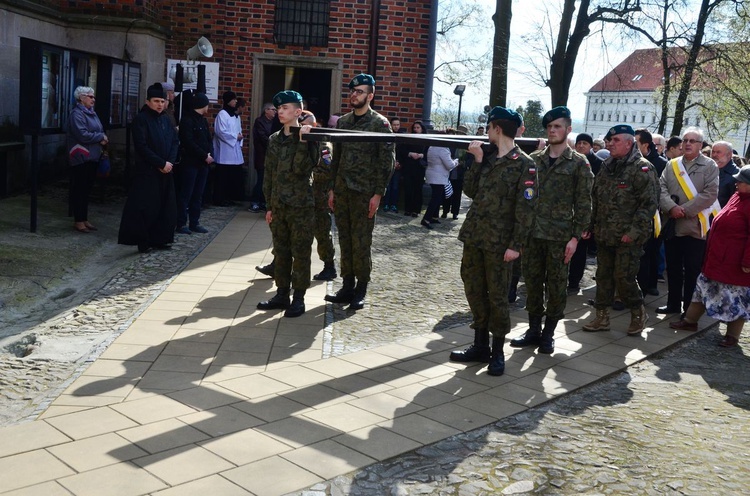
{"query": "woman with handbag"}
pixel 86 140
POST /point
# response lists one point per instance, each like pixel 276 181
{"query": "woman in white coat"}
pixel 228 138
pixel 439 166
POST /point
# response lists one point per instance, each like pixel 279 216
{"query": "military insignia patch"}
pixel 528 193
pixel 532 170
pixel 528 183
pixel 644 168
pixel 514 155
pixel 622 185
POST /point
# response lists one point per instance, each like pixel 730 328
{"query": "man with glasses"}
pixel 359 177
pixel 689 188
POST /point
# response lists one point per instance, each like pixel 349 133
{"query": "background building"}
pixel 259 47
pixel 630 94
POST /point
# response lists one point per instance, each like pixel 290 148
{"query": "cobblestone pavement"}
pixel 675 424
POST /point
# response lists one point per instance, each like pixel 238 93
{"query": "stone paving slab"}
pixel 222 391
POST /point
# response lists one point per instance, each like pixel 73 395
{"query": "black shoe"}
pixel 414 214
pixel 532 335
pixel 434 221
pixel 266 270
pixel 198 229
pixel 426 224
pixel 455 216
pixel 163 247
pixel 297 307
pixel 496 366
pixel 547 341
pixel 479 351
pixel 144 248
pixel 618 306
pixel 444 216
pixel 666 309
pixel 652 291
pixel 279 301
pixel 327 274
pixel 358 299
pixel 345 294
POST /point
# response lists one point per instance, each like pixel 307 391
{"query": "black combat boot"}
pixel 267 270
pixel 547 342
pixel 532 336
pixel 279 301
pixel 513 289
pixel 497 358
pixel 477 352
pixel 358 300
pixel 328 273
pixel 345 294
pixel 297 307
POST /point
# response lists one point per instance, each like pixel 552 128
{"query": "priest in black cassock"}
pixel 150 213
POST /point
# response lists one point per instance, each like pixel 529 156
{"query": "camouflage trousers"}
pixel 486 277
pixel 355 233
pixel 544 271
pixel 617 268
pixel 322 227
pixel 292 246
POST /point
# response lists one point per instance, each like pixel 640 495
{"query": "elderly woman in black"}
pixel 85 141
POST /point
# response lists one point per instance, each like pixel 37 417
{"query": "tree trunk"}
pixel 690 63
pixel 501 49
pixel 556 83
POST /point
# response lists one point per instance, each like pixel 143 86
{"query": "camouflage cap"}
pixel 287 96
pixel 619 129
pixel 554 114
pixel 362 79
pixel 507 114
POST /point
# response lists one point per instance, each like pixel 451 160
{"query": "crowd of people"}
pixel 647 207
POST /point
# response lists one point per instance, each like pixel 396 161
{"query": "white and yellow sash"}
pixel 688 188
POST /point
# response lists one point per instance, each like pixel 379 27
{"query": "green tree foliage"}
pixel 532 118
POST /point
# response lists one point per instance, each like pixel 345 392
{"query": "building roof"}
pixel 640 71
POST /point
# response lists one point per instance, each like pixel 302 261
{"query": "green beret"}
pixel 287 96
pixel 554 114
pixel 362 79
pixel 504 114
pixel 619 129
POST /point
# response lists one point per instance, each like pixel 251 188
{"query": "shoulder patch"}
pixel 645 168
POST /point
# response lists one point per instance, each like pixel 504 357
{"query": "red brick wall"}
pixel 238 29
pixel 150 10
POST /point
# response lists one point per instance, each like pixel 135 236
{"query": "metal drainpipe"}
pixel 430 69
pixel 374 38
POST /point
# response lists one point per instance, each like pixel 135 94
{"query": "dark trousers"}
pixel 453 204
pixel 229 183
pixel 578 263
pixel 391 194
pixel 433 208
pixel 192 181
pixel 82 179
pixel 684 260
pixel 649 270
pixel 413 193
pixel 257 196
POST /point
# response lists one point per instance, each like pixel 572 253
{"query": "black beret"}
pixel 585 137
pixel 362 79
pixel 619 129
pixel 156 90
pixel 198 101
pixel 554 114
pixel 503 113
pixel 287 96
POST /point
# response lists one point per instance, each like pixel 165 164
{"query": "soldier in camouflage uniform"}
pixel 560 192
pixel 321 185
pixel 359 173
pixel 624 202
pixel 287 186
pixel 493 235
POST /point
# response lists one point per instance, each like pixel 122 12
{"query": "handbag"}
pixel 448 190
pixel 103 169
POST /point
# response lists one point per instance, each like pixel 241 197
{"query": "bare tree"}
pixel 459 57
pixel 500 52
pixel 561 45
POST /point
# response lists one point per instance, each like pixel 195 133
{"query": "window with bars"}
pixel 301 22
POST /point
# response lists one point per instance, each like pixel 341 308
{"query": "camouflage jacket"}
pixel 289 166
pixel 561 195
pixel 363 167
pixel 624 198
pixel 498 216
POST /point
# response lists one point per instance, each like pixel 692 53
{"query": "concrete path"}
pixel 203 394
